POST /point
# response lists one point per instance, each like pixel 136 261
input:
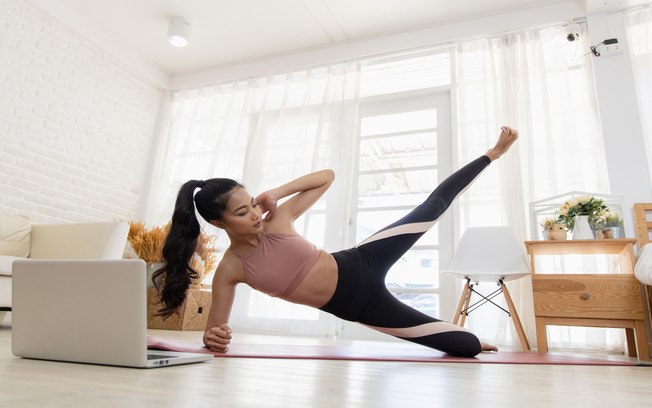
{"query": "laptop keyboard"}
pixel 159 356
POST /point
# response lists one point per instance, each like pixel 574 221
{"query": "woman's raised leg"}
pixel 386 246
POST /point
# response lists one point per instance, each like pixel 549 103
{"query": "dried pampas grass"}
pixel 148 243
pixel 205 258
pixel 148 246
pixel 135 229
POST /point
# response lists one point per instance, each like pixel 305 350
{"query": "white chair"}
pixel 489 254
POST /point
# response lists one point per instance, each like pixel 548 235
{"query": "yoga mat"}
pixel 375 353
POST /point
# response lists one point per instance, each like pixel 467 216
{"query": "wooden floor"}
pixel 240 382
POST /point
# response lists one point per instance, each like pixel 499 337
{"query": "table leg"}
pixel 641 340
pixel 631 342
pixel 542 335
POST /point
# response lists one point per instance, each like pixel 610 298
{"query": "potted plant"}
pixel 553 229
pixel 147 244
pixel 582 215
pixel 613 226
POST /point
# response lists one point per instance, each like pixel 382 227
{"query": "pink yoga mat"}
pixel 374 353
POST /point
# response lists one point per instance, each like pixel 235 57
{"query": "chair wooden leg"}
pixel 460 305
pixel 467 302
pixel 517 322
pixel 648 301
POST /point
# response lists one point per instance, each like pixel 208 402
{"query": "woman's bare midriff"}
pixel 319 285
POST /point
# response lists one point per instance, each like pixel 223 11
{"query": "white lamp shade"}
pixel 489 253
pixel 179 32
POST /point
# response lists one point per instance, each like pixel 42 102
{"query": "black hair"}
pixel 181 241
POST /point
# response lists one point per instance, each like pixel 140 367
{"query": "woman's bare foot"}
pixel 505 140
pixel 487 347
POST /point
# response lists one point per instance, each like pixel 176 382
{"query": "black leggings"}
pixel 361 295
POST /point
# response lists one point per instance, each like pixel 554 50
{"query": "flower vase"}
pixel 613 233
pixel 581 227
pixel 557 232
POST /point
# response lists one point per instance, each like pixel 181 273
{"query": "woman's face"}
pixel 242 214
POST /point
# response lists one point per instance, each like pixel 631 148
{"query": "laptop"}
pixel 85 311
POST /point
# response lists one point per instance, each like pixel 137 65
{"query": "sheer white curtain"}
pixel 638 25
pixel 264 132
pixel 541 84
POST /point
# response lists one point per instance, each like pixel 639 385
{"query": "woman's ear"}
pixel 218 224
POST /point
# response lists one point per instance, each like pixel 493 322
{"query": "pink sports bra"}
pixel 279 263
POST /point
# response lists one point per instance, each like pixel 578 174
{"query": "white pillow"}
pixel 7 264
pixel 643 267
pixel 14 235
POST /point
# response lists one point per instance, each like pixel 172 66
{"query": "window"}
pixel 397 169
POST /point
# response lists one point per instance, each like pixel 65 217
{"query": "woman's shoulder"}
pixel 279 224
pixel 230 269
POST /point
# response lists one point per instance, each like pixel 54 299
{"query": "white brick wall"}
pixel 76 125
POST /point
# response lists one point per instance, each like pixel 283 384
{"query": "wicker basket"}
pixel 192 315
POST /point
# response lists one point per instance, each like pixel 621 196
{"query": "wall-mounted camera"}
pixel 573 32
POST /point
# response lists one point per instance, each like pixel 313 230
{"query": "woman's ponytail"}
pixel 181 242
pixel 178 250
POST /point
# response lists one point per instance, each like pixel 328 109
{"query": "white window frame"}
pixel 439 98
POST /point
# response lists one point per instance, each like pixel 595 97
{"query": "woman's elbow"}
pixel 330 176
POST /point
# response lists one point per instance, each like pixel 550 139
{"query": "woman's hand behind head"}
pixel 267 204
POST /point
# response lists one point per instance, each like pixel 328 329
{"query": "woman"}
pixel 267 254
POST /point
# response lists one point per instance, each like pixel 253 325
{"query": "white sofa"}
pixel 98 240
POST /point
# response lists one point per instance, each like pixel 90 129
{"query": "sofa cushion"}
pixel 83 240
pixel 14 235
pixel 5 292
pixel 5 264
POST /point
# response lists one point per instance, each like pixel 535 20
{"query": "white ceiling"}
pixel 228 32
pixel 235 31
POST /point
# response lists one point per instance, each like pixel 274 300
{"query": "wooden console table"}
pixel 593 300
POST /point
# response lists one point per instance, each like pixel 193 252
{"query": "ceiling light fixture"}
pixel 178 32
